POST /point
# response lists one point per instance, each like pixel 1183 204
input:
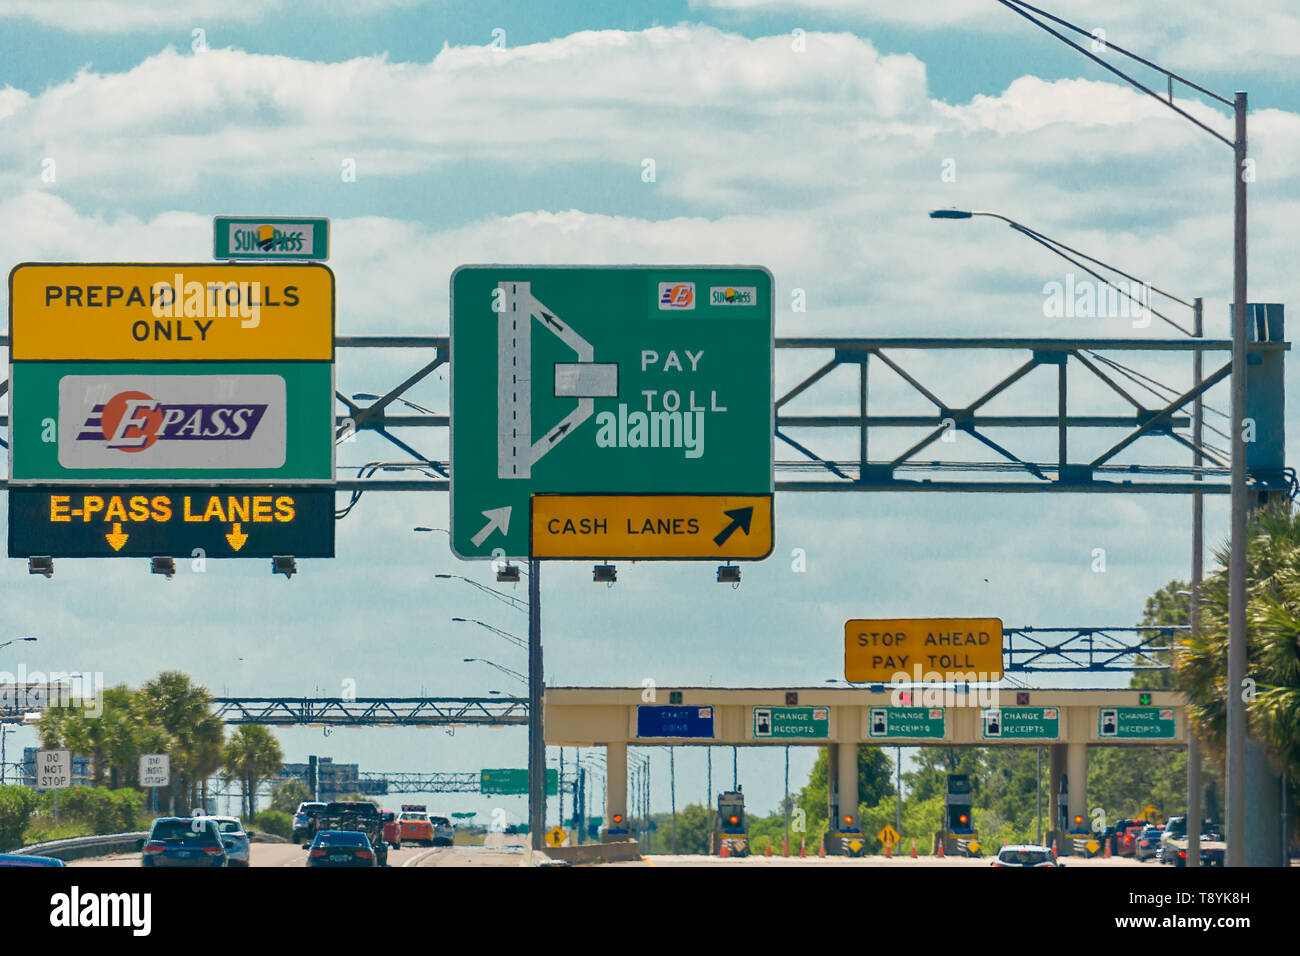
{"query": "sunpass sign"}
pixel 613 386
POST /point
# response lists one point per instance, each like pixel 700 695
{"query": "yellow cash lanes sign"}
pixel 923 650
pixel 171 311
pixel 652 527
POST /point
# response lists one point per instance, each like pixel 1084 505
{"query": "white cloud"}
pixel 155 16
pixel 1183 35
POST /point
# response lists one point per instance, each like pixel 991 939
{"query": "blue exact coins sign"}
pixel 674 722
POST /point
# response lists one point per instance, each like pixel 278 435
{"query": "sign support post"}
pixel 536 741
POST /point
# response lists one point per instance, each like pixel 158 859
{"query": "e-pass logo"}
pixel 133 421
pixel 733 295
pixel 676 295
pixel 172 421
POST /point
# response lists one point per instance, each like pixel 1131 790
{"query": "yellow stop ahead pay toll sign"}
pixel 923 650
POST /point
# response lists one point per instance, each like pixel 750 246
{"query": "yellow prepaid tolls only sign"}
pixel 165 311
pixel 923 650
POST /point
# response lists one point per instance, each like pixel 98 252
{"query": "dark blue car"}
pixel 181 841
pixel 22 859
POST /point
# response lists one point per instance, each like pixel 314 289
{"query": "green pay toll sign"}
pixel 1022 723
pixel 633 380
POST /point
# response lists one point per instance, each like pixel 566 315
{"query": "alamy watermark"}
pixel 1092 299
pixel 35 691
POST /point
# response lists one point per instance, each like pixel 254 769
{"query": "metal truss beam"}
pixel 1094 649
pixel 373 711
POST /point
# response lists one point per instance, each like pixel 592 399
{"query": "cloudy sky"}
pixel 808 137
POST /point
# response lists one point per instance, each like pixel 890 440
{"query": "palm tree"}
pixel 252 755
pixel 182 709
pixel 1272 644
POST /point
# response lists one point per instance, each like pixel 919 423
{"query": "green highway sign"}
pixel 261 237
pixel 181 522
pixel 774 722
pixel 1138 723
pixel 251 422
pixel 1021 723
pixel 612 385
pixel 514 781
pixel 905 722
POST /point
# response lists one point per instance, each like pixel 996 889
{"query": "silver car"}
pixel 233 837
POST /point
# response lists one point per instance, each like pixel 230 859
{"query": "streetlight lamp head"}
pixel 462 620
pixel 950 214
pixel 365 396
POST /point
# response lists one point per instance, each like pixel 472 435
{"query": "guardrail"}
pixel 78 848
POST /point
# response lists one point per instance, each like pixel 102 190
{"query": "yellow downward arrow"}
pixel 236 537
pixel 116 538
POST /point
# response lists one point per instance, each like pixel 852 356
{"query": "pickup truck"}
pixel 1212 850
pixel 356 815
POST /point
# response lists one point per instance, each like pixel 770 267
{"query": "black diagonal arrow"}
pixel 550 320
pixel 740 518
pixel 555 436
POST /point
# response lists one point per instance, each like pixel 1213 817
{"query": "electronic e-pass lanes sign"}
pixel 142 521
pixel 612 412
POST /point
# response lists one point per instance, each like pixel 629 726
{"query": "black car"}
pixel 304 820
pixel 341 848
pixel 356 815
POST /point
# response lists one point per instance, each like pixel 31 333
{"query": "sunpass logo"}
pixel 132 421
pixel 266 239
pixel 733 295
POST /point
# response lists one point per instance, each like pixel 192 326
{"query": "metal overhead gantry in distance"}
pixel 373 711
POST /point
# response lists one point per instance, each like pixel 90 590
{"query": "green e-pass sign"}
pixel 252 237
pixel 514 781
pixel 634 381
pixel 1022 723
pixel 906 722
pixel 1136 722
pixel 792 722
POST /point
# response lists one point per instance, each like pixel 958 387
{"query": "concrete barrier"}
pixel 595 852
pixel 79 848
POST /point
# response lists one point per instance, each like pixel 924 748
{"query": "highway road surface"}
pixel 289 854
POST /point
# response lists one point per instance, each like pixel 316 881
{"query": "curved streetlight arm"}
pixel 1056 246
pixel 514 602
pixel 517 641
pixel 505 670
pixel 1019 6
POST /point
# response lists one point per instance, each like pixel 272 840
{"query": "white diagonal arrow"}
pixel 498 519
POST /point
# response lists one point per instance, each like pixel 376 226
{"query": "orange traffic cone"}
pixel 726 850
pixel 940 842
pixel 785 846
pixel 803 847
pixel 914 848
pixel 889 850
pixel 769 848
pixel 821 850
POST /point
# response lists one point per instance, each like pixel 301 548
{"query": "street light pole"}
pixel 1236 705
pixel 1236 763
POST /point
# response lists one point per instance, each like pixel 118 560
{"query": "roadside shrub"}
pixel 274 822
pixel 16 807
